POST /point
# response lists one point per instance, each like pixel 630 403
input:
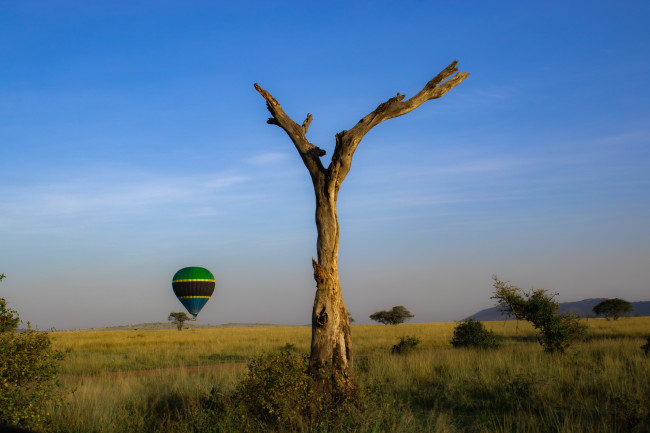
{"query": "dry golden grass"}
pixel 602 384
pixel 93 352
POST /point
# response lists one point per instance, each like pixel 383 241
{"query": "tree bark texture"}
pixel 331 362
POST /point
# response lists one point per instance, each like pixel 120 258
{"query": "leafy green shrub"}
pixel 28 377
pixel 372 408
pixel 9 320
pixel 405 345
pixel 276 390
pixel 472 333
pixel 539 307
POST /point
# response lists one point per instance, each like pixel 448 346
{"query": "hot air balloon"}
pixel 193 286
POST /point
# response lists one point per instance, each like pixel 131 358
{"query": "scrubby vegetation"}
pixel 538 306
pixel 472 333
pixel 405 345
pixel 28 373
pixel 9 319
pixel 276 390
pixel 601 385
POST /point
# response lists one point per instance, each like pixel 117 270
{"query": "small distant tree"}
pixel 178 318
pixel 472 333
pixel 613 308
pixel 539 307
pixel 394 316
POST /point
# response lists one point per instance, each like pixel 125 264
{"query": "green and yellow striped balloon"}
pixel 193 286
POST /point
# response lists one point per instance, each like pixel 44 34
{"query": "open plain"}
pixel 160 380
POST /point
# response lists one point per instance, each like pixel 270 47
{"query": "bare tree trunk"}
pixel 331 363
pixel 331 360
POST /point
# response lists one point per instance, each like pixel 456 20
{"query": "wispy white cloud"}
pixel 112 195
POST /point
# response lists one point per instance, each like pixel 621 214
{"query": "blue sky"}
pixel 132 143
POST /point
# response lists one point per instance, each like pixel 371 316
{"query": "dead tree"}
pixel 330 361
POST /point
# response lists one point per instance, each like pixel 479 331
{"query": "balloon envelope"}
pixel 193 286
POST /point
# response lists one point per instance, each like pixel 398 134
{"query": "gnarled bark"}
pixel 331 362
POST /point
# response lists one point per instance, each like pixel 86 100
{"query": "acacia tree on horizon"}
pixel 613 308
pixel 178 318
pixel 331 343
pixel 396 315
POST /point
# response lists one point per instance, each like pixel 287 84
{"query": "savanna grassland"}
pixel 165 380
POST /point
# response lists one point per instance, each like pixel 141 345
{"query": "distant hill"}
pixel 582 308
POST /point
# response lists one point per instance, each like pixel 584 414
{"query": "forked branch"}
pixel 309 153
pixel 347 141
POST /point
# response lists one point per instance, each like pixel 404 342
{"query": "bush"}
pixel 277 394
pixel 405 345
pixel 9 320
pixel 28 376
pixel 539 307
pixel 276 390
pixel 558 331
pixel 28 372
pixel 472 333
pixel 371 408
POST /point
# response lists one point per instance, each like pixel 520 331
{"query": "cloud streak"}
pixel 118 194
